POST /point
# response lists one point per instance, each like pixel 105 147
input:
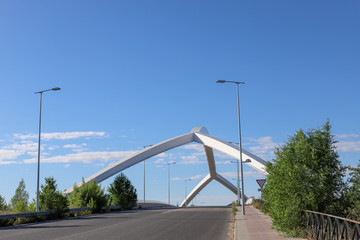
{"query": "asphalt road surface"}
pixel 162 224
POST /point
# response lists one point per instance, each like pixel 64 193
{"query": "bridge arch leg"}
pixel 205 182
pixel 196 190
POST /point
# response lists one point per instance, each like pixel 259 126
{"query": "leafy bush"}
pixel 122 192
pixel 88 195
pixel 305 175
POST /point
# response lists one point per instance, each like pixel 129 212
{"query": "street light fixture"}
pixel 246 161
pixel 144 170
pixel 169 163
pixel 38 168
pixel 240 148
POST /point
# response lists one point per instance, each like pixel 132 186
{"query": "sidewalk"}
pixel 254 226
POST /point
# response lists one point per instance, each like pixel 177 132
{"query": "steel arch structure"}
pixel 199 135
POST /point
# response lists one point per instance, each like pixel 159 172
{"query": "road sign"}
pixel 261 182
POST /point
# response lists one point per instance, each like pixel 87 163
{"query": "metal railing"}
pixel 324 226
pixel 35 214
pixel 150 205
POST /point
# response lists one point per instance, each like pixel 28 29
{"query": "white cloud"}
pixel 198 176
pixel 84 157
pixel 343 136
pixel 193 146
pixel 78 150
pixel 191 178
pixel 190 160
pixel 264 146
pixel 25 146
pixel 72 146
pixel 159 161
pixel 52 147
pixel 163 155
pixel 10 154
pixel 32 153
pixel 347 146
pixel 60 135
pixel 7 162
pixel 221 155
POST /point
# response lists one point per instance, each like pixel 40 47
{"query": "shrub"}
pixel 122 192
pixel 257 203
pixel 305 175
pixel 50 198
pixel 88 195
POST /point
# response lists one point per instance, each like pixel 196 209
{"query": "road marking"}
pixel 169 211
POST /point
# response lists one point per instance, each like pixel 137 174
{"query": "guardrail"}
pixel 325 226
pixel 44 213
pixel 34 214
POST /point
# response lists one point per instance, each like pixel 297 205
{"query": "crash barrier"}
pixel 72 210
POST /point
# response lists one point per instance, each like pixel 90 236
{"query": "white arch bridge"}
pixel 199 135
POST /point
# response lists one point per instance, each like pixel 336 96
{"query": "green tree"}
pixel 20 199
pixel 88 195
pixel 3 205
pixel 50 198
pixel 122 192
pixel 305 175
pixel 353 194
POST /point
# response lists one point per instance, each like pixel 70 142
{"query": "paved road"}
pixel 174 224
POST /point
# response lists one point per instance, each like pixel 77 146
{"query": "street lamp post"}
pixel 38 168
pixel 169 163
pixel 144 170
pixel 240 148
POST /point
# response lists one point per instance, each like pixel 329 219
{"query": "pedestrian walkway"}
pixel 254 226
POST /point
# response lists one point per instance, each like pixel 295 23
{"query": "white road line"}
pixel 170 211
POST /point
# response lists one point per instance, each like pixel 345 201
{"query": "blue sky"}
pixel 134 73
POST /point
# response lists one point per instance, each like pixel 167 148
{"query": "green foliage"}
pixel 233 208
pixel 122 192
pixel 88 195
pixel 20 199
pixel 306 174
pixel 31 206
pixel 3 205
pixel 50 198
pixel 257 203
pixel 353 195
